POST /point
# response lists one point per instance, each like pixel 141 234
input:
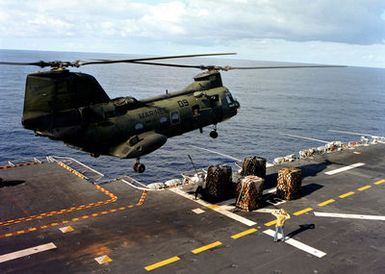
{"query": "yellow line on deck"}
pixel 346 194
pixel 206 247
pixel 243 233
pixel 271 223
pixel 303 211
pixel 326 202
pixel 162 263
pixel 364 188
pixel 213 206
pixel 379 182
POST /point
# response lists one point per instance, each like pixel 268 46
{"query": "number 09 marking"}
pixel 183 103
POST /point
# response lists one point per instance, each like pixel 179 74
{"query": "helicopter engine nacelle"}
pixel 139 145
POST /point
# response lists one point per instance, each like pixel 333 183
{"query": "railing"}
pixel 90 173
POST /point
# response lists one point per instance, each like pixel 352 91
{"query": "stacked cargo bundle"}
pixel 254 166
pixel 219 184
pixel 289 183
pixel 249 193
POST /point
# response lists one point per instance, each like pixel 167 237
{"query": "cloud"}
pixel 356 22
pixel 158 26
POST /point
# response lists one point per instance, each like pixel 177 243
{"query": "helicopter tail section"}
pixel 52 98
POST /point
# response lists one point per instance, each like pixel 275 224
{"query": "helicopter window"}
pixel 229 101
pixel 175 119
pixel 195 110
pixel 229 98
pixel 214 98
pixel 139 126
pixel 163 120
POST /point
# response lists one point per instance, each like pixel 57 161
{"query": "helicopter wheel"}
pixel 214 134
pixel 139 168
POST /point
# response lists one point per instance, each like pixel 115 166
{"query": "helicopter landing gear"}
pixel 138 167
pixel 214 133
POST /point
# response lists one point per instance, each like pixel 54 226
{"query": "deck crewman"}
pixel 281 216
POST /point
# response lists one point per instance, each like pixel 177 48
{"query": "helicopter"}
pixel 74 108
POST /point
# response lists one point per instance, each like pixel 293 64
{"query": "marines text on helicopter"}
pixel 74 108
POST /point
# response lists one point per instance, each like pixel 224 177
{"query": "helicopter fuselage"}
pixel 72 107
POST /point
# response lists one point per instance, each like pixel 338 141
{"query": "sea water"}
pixel 306 102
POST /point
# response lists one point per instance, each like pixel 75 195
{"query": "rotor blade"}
pixel 171 65
pixel 41 64
pixel 151 58
pixel 226 68
pixel 284 67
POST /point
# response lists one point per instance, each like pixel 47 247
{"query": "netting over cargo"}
pixel 249 193
pixel 289 183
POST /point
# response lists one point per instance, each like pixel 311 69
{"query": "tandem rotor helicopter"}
pixel 73 107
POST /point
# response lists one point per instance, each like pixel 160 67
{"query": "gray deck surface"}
pixel 157 231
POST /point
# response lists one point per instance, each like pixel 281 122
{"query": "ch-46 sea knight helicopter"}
pixel 74 108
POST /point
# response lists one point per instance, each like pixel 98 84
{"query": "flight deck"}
pixel 54 218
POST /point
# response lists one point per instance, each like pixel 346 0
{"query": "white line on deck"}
pixel 264 210
pixel 269 191
pixel 345 168
pixel 297 244
pixel 305 138
pixel 216 208
pixel 350 216
pixel 26 252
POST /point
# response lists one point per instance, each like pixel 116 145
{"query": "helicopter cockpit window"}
pixel 175 119
pixel 163 120
pixel 228 99
pixel 139 126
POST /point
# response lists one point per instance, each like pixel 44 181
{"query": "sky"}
pixel 345 32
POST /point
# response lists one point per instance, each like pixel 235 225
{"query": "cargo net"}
pixel 219 184
pixel 289 183
pixel 254 166
pixel 249 193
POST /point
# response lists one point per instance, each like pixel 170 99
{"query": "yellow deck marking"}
pixel 303 211
pixel 347 194
pixel 162 263
pixel 52 213
pixel 103 259
pixel 271 223
pixel 206 247
pixel 244 233
pixel 379 182
pixel 364 188
pixel 326 202
pixel 213 206
pixel 74 219
pixel 66 229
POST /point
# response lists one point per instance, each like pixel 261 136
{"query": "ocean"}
pixel 306 102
